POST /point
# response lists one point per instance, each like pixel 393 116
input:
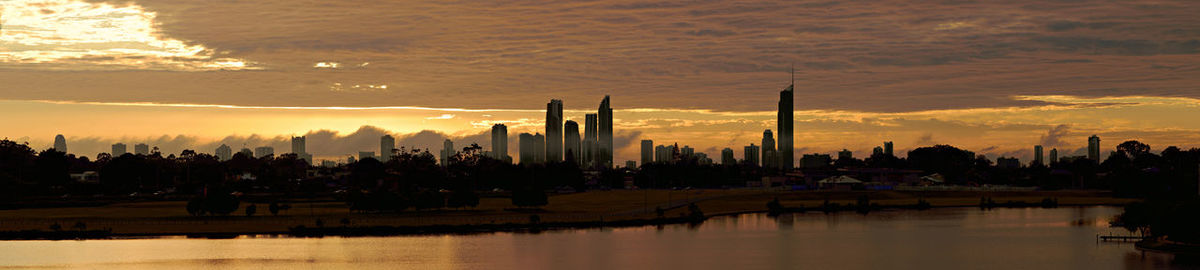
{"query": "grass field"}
pixel 169 217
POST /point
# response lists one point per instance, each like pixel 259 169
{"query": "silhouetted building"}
pixel 264 151
pixel 750 155
pixel 887 149
pixel 60 143
pixel 815 161
pixel 647 152
pixel 223 152
pixel 328 164
pixel 529 148
pixel 554 130
pixel 118 149
pixel 770 158
pixel 1053 155
pixel 571 142
pixel 662 154
pixel 687 152
pixel 387 147
pixel 366 154
pixel 604 129
pixel 300 148
pixel 845 154
pixel 447 152
pixel 141 149
pixel 629 164
pixel 500 143
pixel 1094 148
pixel 591 140
pixel 1008 163
pixel 786 150
pixel 727 157
pixel 1037 156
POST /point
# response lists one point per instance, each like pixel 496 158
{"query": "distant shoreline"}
pixel 570 211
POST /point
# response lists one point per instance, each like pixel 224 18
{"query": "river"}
pixel 951 238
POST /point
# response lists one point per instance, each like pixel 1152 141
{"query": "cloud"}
pixel 1053 137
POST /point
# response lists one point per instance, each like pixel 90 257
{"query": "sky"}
pixel 994 77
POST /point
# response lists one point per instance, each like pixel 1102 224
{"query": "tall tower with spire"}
pixel 786 152
pixel 605 130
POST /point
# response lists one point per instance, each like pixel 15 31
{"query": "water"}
pixel 959 238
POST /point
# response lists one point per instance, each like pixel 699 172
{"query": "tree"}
pixel 250 210
pixel 1133 149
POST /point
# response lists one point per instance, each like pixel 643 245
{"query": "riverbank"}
pixel 596 208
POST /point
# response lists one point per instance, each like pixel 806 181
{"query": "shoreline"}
pixel 302 231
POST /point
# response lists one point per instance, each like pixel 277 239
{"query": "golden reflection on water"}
pixel 960 238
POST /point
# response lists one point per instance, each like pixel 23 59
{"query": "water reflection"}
pixel 1030 238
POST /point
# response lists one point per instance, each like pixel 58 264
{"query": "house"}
pixel 840 182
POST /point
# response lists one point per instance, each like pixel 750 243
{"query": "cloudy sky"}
pixel 995 77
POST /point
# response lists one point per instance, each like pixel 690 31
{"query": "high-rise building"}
pixel 770 158
pixel 887 148
pixel 141 149
pixel 750 155
pixel 604 129
pixel 571 141
pixel 447 152
pixel 264 151
pixel 727 157
pixel 387 147
pixel 539 148
pixel 363 155
pixel 223 152
pixel 1053 156
pixel 500 142
pixel 299 145
pixel 1037 155
pixel 687 152
pixel 300 148
pixel 591 141
pixel 662 154
pixel 60 143
pixel 814 161
pixel 1094 148
pixel 629 164
pixel 786 150
pixel 845 154
pixel 528 149
pixel 647 152
pixel 554 130
pixel 118 149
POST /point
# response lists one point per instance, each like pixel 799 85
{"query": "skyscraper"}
pixel 60 143
pixel 1053 156
pixel 591 141
pixel 604 130
pixel 554 131
pixel 647 152
pixel 539 148
pixel 1094 148
pixel 447 152
pixel 786 152
pixel 1037 155
pixel 387 147
pixel 769 154
pixel 223 152
pixel 118 149
pixel 687 152
pixel 299 147
pixel 141 149
pixel 525 148
pixel 750 155
pixel 500 142
pixel 264 151
pixel 727 157
pixel 571 141
pixel 887 148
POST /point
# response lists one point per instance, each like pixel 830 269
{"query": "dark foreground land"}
pixel 578 210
